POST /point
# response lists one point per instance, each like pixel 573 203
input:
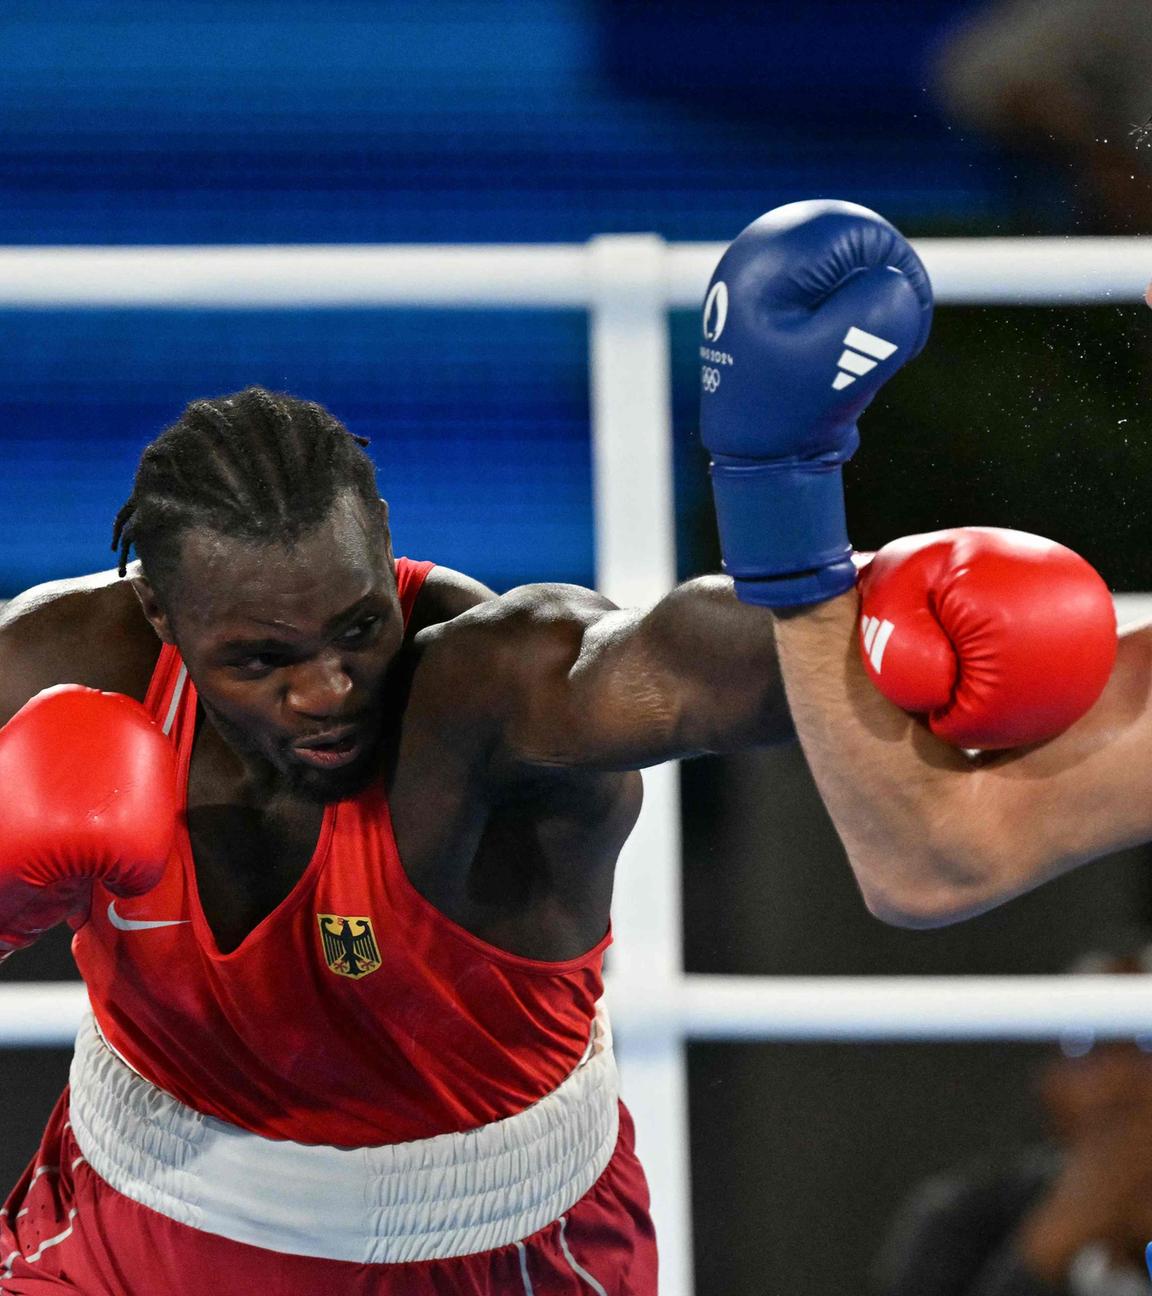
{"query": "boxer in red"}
pixel 336 833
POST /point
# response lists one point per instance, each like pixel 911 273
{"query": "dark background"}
pixel 555 120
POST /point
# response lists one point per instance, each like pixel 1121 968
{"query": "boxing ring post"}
pixel 627 283
pixel 635 565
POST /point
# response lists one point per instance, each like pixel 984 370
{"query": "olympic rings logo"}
pixel 709 378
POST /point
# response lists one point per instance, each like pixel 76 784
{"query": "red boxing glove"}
pixel 89 793
pixel 1001 638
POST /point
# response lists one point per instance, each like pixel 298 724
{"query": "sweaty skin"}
pixel 934 835
pixel 508 730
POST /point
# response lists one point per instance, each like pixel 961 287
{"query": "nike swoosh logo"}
pixel 140 924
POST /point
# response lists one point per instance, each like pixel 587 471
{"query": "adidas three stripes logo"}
pixel 875 634
pixel 861 353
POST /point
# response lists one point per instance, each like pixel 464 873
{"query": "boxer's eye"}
pixel 259 663
pixel 364 630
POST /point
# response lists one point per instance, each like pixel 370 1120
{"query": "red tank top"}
pixel 355 1013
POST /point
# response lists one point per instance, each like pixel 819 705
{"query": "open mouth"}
pixel 331 752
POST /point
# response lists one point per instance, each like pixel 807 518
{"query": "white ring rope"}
pixel 1040 271
pixel 771 1008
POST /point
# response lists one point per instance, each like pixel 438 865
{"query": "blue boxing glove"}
pixel 809 311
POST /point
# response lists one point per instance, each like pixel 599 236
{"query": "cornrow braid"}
pixel 256 465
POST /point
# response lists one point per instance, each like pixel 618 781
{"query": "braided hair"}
pixel 257 465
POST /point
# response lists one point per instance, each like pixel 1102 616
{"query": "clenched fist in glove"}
pixel 809 312
pixel 997 637
pixel 87 792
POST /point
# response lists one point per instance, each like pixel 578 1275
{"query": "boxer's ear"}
pixel 153 609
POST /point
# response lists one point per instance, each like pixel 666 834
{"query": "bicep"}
pixel 626 689
pixel 570 691
pixel 572 680
pixel 1088 792
pixel 697 673
pixel 617 705
pixel 546 671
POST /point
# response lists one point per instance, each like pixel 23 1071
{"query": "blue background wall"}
pixel 529 120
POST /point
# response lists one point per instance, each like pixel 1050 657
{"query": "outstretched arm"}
pixel 698 672
pixel 935 835
pixel 695 673
pixel 572 681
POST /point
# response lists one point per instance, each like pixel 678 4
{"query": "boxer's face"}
pixel 289 646
pixel 1110 1083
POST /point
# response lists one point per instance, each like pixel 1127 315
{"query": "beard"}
pixel 322 787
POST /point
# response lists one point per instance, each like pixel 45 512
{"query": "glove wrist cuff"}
pixel 800 590
pixel 783 532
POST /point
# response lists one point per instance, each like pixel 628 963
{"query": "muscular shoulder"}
pixel 444 595
pixel 501 669
pixel 527 631
pixel 508 656
pixel 86 630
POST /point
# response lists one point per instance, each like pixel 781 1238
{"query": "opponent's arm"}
pixel 932 835
pixel 935 835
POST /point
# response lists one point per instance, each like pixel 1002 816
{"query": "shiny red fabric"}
pixel 446 1034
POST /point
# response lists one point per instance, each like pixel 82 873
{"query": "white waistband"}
pixel 452 1195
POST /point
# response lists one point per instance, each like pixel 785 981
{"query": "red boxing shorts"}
pixel 66 1228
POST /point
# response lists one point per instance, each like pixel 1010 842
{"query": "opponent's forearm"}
pixel 1001 641
pixel 906 806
